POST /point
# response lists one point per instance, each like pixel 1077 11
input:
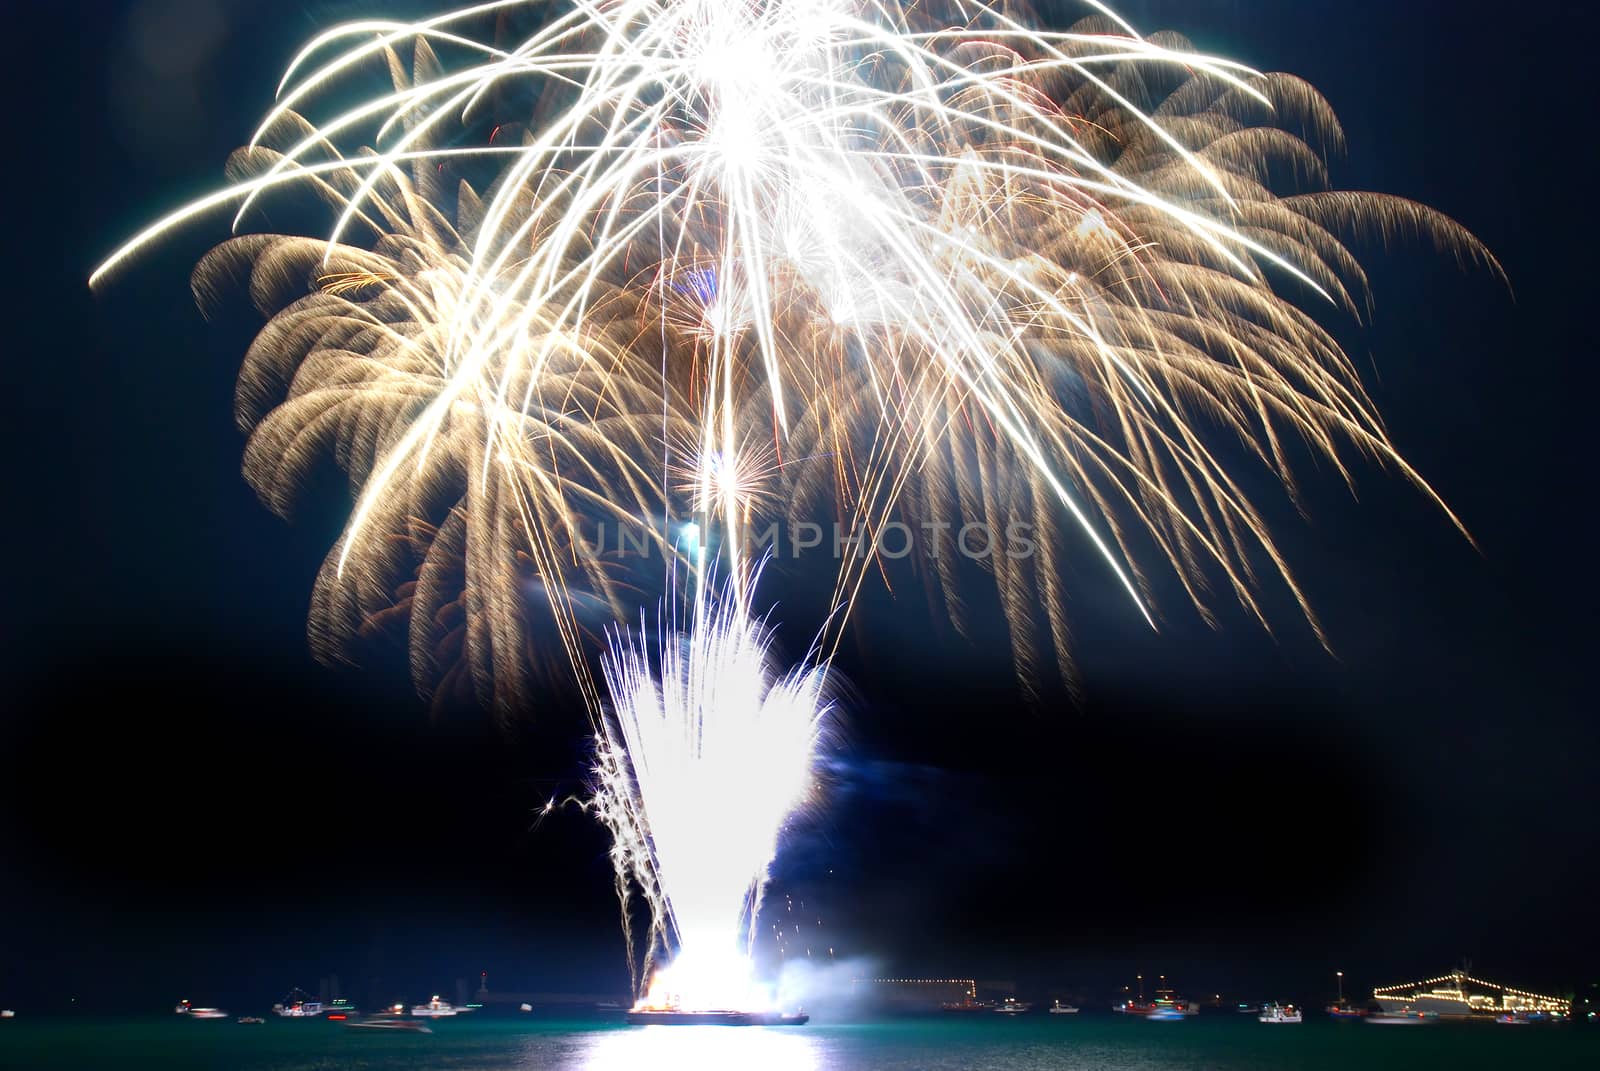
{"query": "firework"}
pixel 981 269
pixel 706 754
pixel 882 260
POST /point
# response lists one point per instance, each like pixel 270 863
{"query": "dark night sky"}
pixel 190 806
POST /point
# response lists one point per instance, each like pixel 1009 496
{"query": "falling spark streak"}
pixel 862 258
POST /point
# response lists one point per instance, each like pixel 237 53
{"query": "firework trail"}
pixel 883 260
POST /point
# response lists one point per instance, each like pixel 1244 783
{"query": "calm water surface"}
pixel 1059 1043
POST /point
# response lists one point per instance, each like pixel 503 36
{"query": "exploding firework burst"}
pixel 887 260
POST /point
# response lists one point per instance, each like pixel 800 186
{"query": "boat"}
pixel 1013 1006
pixel 1514 1020
pixel 310 1009
pixel 1248 1009
pixel 1133 1007
pixel 1414 1019
pixel 1280 1013
pixel 7 1013
pixel 1342 1008
pixel 436 1009
pixel 186 1008
pixel 525 1006
pixel 250 1019
pixel 389 1022
pixel 674 1017
pixel 1458 995
pixel 298 1005
pixel 1167 1006
pixel 1058 1008
pixel 970 1004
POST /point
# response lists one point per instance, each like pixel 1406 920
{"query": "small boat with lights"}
pixel 970 1004
pixel 1167 1006
pixel 186 1008
pixel 1059 1008
pixel 1413 1019
pixel 1013 1006
pixel 711 1017
pixel 1280 1013
pixel 436 1009
pixel 298 1005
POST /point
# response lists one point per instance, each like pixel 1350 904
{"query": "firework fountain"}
pixel 701 725
pixel 627 261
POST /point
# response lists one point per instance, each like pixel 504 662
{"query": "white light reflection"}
pixel 705 1048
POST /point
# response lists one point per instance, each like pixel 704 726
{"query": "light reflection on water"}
pixel 1097 1043
pixel 912 1046
pixel 703 1048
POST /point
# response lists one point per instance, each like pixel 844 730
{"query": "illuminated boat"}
pixel 1458 995
pixel 1168 1006
pixel 1280 1013
pixel 297 1005
pixel 672 1017
pixel 185 1008
pixel 970 1004
pixel 1013 1006
pixel 436 1009
pixel 1059 1008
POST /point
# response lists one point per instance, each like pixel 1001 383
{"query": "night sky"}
pixel 190 806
